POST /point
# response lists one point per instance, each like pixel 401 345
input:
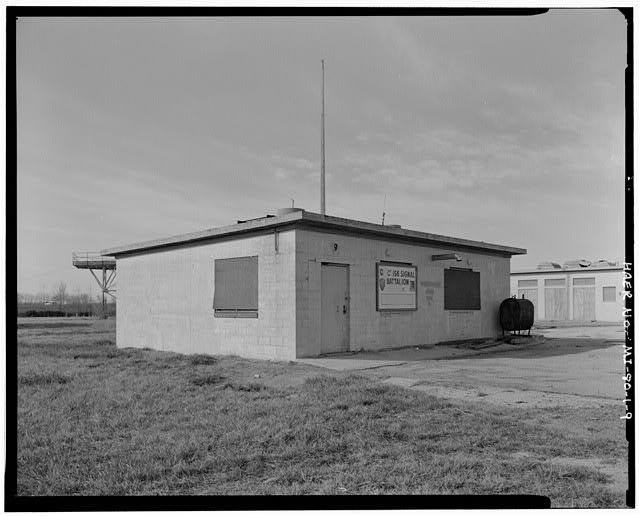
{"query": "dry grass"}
pixel 96 420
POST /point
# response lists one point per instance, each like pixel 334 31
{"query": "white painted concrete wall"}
pixel 610 311
pixel 371 329
pixel 605 312
pixel 165 300
pixel 540 307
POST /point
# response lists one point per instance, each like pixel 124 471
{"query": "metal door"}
pixel 334 323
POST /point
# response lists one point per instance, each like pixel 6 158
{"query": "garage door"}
pixel 555 300
pixel 584 299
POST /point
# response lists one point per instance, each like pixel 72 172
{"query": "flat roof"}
pixel 306 219
pixel 589 270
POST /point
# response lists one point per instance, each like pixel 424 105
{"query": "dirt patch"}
pixel 504 397
pixel 202 359
pixel 212 379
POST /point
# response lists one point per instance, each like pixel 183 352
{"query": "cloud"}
pixel 129 130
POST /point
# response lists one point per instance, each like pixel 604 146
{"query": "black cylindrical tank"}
pixel 516 314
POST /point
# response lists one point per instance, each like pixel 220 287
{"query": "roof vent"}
pixel 394 226
pixel 602 263
pixel 547 266
pixel 575 264
pixel 286 211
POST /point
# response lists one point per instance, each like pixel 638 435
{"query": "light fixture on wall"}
pixel 448 256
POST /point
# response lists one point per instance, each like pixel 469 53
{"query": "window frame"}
pixel 465 308
pixel 237 312
pixel 615 293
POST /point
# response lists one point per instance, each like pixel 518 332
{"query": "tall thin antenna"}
pixel 384 205
pixel 322 149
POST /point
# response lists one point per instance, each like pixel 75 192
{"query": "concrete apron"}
pixel 363 360
pixel 535 372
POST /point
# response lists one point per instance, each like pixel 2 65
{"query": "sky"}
pixel 508 130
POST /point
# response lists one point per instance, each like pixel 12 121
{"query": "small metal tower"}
pixel 96 262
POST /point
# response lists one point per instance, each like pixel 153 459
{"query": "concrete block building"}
pixel 301 284
pixel 578 290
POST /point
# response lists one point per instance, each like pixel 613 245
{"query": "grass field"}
pixel 97 420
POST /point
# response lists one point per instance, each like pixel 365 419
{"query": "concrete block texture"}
pixel 371 329
pixel 165 297
pixel 166 300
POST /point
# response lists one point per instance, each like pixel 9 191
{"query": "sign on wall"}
pixel 396 286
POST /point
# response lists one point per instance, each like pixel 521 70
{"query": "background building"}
pixel 302 284
pixel 579 290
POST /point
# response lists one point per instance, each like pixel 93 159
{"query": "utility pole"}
pixel 322 208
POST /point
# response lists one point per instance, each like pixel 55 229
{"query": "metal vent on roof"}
pixel 602 263
pixel 546 266
pixel 574 264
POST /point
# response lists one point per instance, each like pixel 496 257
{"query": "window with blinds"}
pixel 236 287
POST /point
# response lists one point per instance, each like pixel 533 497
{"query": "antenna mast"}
pixel 384 205
pixel 322 211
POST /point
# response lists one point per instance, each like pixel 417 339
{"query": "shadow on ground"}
pixel 546 347
pixel 536 346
